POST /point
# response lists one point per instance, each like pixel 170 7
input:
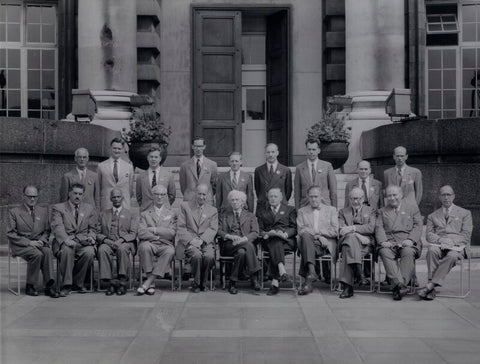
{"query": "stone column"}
pixel 107 52
pixel 375 64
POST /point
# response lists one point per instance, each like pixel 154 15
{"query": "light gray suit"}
pixel 411 182
pixel 91 194
pixel 144 188
pixel 106 182
pixel 189 179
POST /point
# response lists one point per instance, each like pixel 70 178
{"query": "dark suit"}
pixel 286 221
pixel 22 229
pixel 224 186
pixel 243 253
pixel 74 261
pixel 189 179
pixel 375 193
pixel 144 188
pixel 396 227
pixel 194 222
pixel 91 194
pixel 410 182
pixel 282 179
pixel 125 227
pixel 157 234
pixel 325 178
pixel 352 249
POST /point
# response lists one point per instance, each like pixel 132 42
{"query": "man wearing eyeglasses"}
pixel 28 232
pixel 449 230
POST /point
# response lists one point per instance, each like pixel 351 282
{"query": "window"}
pixel 28 58
pixel 442 23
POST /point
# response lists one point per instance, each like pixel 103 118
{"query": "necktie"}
pixel 115 170
pixel 364 188
pixel 314 173
pixel 234 181
pixel 447 215
pixel 82 176
pixel 199 168
pixel 32 213
pixel 271 169
pixel 275 210
pixel 76 214
pixel 115 213
pixel 154 179
pixel 237 216
pixel 399 176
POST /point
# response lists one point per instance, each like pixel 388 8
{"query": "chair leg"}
pixel 17 292
pixel 180 273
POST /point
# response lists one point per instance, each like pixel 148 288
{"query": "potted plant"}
pixel 146 130
pixel 333 137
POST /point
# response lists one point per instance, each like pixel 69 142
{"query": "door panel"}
pixel 217 81
pixel 278 115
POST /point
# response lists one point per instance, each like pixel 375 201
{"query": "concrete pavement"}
pixel 216 327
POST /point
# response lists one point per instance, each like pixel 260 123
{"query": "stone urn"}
pixel 138 152
pixel 335 153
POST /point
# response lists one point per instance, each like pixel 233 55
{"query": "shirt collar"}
pixel 119 209
pixel 72 205
pixel 158 210
pixel 310 163
pixel 200 159
pixel 237 172
pixel 80 171
pixel 275 164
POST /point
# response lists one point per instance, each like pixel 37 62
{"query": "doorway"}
pixel 241 81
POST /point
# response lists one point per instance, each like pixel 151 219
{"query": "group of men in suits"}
pixel 363 226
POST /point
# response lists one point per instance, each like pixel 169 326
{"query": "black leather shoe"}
pixel 65 291
pixel 364 282
pixel 79 289
pixel 396 293
pixel 306 289
pixel 284 278
pixel 255 285
pixel 110 291
pixel 272 291
pixel 121 289
pixel 30 290
pixel 347 291
pixel 431 295
pixel 194 288
pixel 232 289
pixel 402 289
pixel 51 292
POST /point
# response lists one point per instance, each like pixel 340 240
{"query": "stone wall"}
pixel 447 151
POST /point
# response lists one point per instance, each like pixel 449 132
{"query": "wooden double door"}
pixel 217 81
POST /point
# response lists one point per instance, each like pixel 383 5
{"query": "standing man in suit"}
pixel 238 231
pixel 315 172
pixel 357 226
pixel 28 232
pixel 449 230
pixel 270 175
pixel 117 236
pixel 81 174
pixel 409 179
pixel 317 225
pixel 153 176
pixel 197 228
pixel 74 226
pixel 278 228
pixel 372 188
pixel 398 231
pixel 235 179
pixel 198 170
pixel 158 226
pixel 115 172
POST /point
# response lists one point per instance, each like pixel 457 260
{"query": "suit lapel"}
pixel 25 214
pixel 108 219
pixel 349 216
pixel 193 168
pixel 81 214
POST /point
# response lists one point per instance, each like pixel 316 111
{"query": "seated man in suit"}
pixel 357 226
pixel 197 228
pixel 81 174
pixel 154 175
pixel 238 230
pixel 372 188
pixel 28 232
pixel 449 230
pixel 235 179
pixel 398 230
pixel 158 226
pixel 272 174
pixel 317 226
pixel 278 228
pixel 314 172
pixel 198 170
pixel 74 226
pixel 117 236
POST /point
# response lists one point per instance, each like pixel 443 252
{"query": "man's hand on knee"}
pixel 386 244
pixel 407 243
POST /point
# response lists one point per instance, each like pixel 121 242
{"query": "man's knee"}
pixel 88 252
pixel 66 252
pixel 386 253
pixel 434 250
pixel 170 251
pixel 452 256
pixel 241 252
pixel 407 252
pixel 103 249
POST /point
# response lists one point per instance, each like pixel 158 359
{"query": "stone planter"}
pixel 335 153
pixel 139 150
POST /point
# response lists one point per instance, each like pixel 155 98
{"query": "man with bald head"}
pixel 317 225
pixel 409 179
pixel 278 228
pixel 372 188
pixel 117 236
pixel 197 228
pixel 238 231
pixel 398 231
pixel 158 226
pixel 357 226
pixel 272 174
pixel 81 174
pixel 28 233
pixel 449 230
